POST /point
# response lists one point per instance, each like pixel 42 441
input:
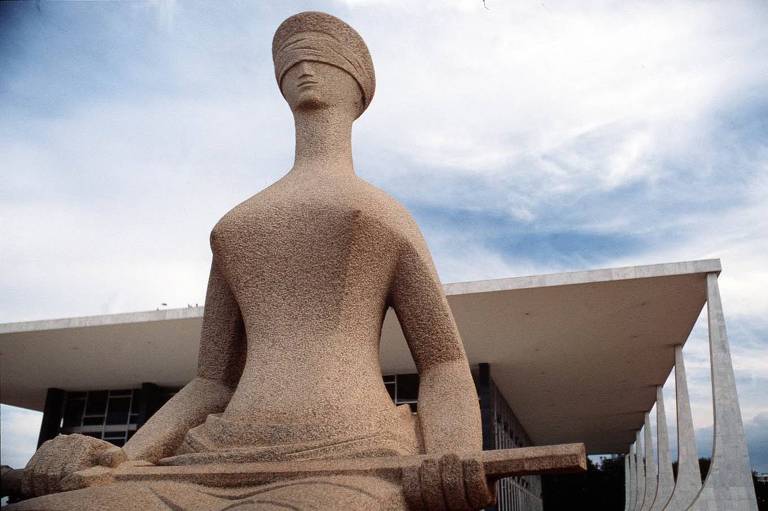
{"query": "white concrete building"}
pixel 569 357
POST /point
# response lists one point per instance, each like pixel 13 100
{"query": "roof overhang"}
pixel 577 355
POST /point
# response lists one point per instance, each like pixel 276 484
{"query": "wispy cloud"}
pixel 525 138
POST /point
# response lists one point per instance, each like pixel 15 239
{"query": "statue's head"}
pixel 321 62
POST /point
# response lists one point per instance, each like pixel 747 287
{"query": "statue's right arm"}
pixel 220 364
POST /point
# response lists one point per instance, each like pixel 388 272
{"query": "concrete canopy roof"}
pixel 577 355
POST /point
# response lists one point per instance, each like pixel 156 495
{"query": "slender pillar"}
pixel 627 485
pixel 688 481
pixel 639 473
pixel 483 385
pixel 666 481
pixel 632 479
pixel 53 411
pixel 650 466
pixel 729 482
pixel 626 482
pixel 487 414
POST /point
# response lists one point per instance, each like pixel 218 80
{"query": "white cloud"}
pixel 129 134
pixel 20 429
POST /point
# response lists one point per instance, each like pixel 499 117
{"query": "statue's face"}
pixel 311 85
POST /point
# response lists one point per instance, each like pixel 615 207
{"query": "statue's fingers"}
pixel 112 456
pixel 81 456
pixel 62 451
pixel 41 478
pixel 452 476
pixel 49 470
pixel 432 485
pixel 479 492
pixel 412 488
pixel 27 478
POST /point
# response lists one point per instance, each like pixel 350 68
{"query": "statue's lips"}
pixel 307 83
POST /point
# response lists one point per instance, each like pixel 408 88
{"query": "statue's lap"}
pixel 333 492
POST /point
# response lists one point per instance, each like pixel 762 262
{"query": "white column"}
pixel 666 481
pixel 650 466
pixel 632 479
pixel 688 481
pixel 639 473
pixel 729 482
pixel 627 484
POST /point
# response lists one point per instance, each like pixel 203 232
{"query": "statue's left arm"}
pixel 449 412
pixel 220 364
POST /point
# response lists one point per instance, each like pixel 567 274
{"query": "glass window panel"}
pixel 118 410
pixel 116 437
pixel 93 421
pixel 135 405
pixel 97 403
pixel 407 387
pixel 391 389
pixel 73 412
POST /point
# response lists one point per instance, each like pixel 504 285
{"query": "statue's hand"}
pixel 448 483
pixel 61 457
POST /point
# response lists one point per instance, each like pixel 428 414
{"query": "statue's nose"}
pixel 305 69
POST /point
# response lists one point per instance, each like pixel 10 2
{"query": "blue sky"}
pixel 526 138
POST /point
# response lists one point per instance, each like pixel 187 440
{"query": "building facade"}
pixel 560 358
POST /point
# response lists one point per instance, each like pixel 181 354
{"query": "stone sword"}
pixel 409 470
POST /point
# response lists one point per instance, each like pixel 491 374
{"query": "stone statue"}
pixel 302 275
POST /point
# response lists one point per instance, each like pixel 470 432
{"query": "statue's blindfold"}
pixel 319 47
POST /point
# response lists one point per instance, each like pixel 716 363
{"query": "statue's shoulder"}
pixel 387 209
pixel 238 219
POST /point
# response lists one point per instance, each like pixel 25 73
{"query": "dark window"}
pixel 73 411
pixel 390 389
pixel 117 413
pixel 402 388
pixel 97 403
pixel 407 387
pixel 113 415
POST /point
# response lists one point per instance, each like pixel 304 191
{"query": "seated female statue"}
pixel 302 275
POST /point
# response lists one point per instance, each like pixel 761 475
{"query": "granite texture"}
pixel 301 278
pixel 288 376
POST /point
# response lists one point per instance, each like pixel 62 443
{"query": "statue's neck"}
pixel 323 142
